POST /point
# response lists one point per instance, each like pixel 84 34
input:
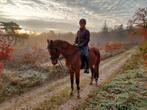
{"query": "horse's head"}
pixel 53 51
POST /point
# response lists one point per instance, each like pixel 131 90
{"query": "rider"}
pixel 82 40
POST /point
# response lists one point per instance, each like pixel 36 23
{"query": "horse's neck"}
pixel 67 50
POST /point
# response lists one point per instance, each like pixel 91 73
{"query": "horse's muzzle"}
pixel 54 62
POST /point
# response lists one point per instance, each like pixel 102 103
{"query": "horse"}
pixel 72 56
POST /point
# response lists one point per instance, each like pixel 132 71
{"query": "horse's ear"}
pixel 49 40
pixel 50 43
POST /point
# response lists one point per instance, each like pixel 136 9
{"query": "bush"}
pixel 34 55
pixel 143 50
pixel 1 67
pixel 5 53
pixel 113 46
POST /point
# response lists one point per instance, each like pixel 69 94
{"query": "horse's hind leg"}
pixel 96 77
pixel 96 74
pixel 92 75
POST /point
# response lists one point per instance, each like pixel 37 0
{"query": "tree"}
pixel 105 28
pixel 11 32
pixel 10 27
pixel 138 24
pixel 139 21
pixel 5 53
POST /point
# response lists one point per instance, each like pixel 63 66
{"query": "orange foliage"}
pixel 145 55
pixel 145 63
pixel 5 53
pixel 5 50
pixel 113 45
pixel 139 23
pixel 143 32
pixel 1 67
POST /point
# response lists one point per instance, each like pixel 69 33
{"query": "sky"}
pixel 64 15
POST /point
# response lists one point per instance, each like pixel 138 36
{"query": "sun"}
pixel 3 1
pixel 22 31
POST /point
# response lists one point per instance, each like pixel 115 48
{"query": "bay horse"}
pixel 73 62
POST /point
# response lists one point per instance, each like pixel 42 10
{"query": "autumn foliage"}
pixel 113 45
pixel 138 25
pixel 5 53
pixel 145 58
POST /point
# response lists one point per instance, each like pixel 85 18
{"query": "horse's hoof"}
pixel 97 85
pixel 78 97
pixel 71 94
pixel 91 83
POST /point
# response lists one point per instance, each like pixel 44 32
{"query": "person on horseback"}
pixel 82 40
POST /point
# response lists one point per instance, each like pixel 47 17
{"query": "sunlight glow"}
pixel 22 31
pixel 3 1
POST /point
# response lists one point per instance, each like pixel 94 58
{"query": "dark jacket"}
pixel 83 37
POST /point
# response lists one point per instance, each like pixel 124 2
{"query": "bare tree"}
pixel 138 24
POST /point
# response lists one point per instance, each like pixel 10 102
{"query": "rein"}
pixel 65 56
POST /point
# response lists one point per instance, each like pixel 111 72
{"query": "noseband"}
pixel 57 49
pixel 54 49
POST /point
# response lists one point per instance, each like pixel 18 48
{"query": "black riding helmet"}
pixel 82 21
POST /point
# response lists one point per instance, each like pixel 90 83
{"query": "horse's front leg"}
pixel 72 82
pixel 78 82
pixel 71 72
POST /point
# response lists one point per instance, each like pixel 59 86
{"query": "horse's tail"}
pixel 97 53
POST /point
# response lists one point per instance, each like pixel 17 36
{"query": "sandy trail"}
pixel 33 99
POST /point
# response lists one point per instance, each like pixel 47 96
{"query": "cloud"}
pixel 68 12
pixel 3 1
pixel 42 26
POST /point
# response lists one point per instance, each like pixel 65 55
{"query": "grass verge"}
pixel 127 91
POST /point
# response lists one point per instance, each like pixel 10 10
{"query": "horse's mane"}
pixel 62 43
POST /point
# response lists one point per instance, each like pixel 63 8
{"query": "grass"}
pixel 15 83
pixel 127 91
pixel 61 97
pixel 54 101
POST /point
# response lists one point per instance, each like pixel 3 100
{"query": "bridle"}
pixel 54 49
pixel 65 56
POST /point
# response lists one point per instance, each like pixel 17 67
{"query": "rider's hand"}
pixel 81 45
pixel 76 45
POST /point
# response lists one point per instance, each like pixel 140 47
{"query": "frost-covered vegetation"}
pixel 32 68
pixel 127 91
pixel 5 53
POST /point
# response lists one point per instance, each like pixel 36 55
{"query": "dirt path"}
pixel 43 98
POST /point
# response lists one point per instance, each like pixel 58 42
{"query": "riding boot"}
pixel 86 65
